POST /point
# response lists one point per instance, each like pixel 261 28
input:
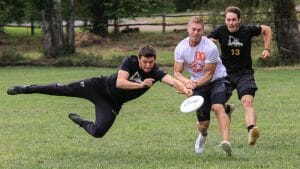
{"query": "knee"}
pixel 247 101
pixel 98 135
pixel 99 132
pixel 218 108
pixel 203 126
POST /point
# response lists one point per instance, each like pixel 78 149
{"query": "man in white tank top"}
pixel 199 56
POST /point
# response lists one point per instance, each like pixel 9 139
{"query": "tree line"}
pixel 51 14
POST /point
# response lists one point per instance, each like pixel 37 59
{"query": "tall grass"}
pixel 149 132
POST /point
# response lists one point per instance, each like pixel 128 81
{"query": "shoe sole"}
pixel 227 148
pixel 254 136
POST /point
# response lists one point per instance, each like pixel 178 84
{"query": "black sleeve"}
pixel 125 65
pixel 159 74
pixel 214 34
pixel 255 30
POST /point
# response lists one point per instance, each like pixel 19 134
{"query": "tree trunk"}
pixel 287 31
pixel 31 28
pixel 99 21
pixel 70 34
pixel 52 28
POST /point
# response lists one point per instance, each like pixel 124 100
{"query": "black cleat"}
pixel 76 119
pixel 16 90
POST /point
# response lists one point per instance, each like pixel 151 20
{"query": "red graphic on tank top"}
pixel 198 63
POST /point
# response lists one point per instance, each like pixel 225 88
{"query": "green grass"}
pixel 149 132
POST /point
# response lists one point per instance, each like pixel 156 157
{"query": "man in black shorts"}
pixel 199 56
pixel 135 76
pixel 235 42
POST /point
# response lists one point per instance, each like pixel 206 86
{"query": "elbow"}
pixel 118 84
pixel 210 77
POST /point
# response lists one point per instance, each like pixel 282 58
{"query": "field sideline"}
pixel 150 132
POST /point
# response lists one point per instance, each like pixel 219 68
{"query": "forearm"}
pixel 126 84
pixel 180 77
pixel 267 32
pixel 204 80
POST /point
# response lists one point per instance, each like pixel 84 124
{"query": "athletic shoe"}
pixel 226 147
pixel 17 90
pixel 253 135
pixel 199 145
pixel 229 108
pixel 76 118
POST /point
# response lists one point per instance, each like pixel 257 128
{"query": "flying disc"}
pixel 191 104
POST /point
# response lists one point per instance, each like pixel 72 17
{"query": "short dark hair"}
pixel 147 51
pixel 233 9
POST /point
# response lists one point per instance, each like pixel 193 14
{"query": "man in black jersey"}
pixel 235 43
pixel 135 76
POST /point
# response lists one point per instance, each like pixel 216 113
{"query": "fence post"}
pixel 163 23
pixel 31 28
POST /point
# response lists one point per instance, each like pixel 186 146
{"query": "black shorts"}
pixel 216 92
pixel 244 83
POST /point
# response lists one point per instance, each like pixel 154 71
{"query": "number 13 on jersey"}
pixel 235 52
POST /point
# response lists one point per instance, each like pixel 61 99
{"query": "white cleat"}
pixel 199 145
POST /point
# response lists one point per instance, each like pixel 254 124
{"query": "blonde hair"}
pixel 196 19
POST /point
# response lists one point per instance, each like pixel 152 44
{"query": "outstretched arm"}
pixel 168 79
pixel 124 83
pixel 178 69
pixel 267 33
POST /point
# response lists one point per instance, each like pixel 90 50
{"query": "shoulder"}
pixel 208 43
pixel 128 62
pixel 130 59
pixel 217 32
pixel 221 29
pixel 250 27
pixel 183 44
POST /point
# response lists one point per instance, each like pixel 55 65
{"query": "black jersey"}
pixel 136 74
pixel 236 47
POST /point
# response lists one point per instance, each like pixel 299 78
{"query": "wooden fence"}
pixel 163 22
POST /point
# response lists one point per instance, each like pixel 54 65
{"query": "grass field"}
pixel 149 132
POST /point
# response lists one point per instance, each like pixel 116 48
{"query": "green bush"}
pixel 9 56
pixel 83 59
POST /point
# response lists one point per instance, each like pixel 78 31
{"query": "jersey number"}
pixel 235 52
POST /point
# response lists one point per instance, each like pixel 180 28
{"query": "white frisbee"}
pixel 191 104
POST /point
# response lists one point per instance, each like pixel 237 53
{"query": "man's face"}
pixel 195 31
pixel 232 22
pixel 146 63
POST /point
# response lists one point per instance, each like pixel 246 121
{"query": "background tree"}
pixel 54 42
pixel 287 31
pixel 98 13
pixel 32 14
pixel 11 11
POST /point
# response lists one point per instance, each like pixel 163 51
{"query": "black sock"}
pixel 250 127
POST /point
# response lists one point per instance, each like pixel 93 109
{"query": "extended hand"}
pixel 147 83
pixel 265 54
pixel 190 85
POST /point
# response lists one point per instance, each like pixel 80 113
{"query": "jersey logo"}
pixel 234 42
pixel 136 77
pixel 198 63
